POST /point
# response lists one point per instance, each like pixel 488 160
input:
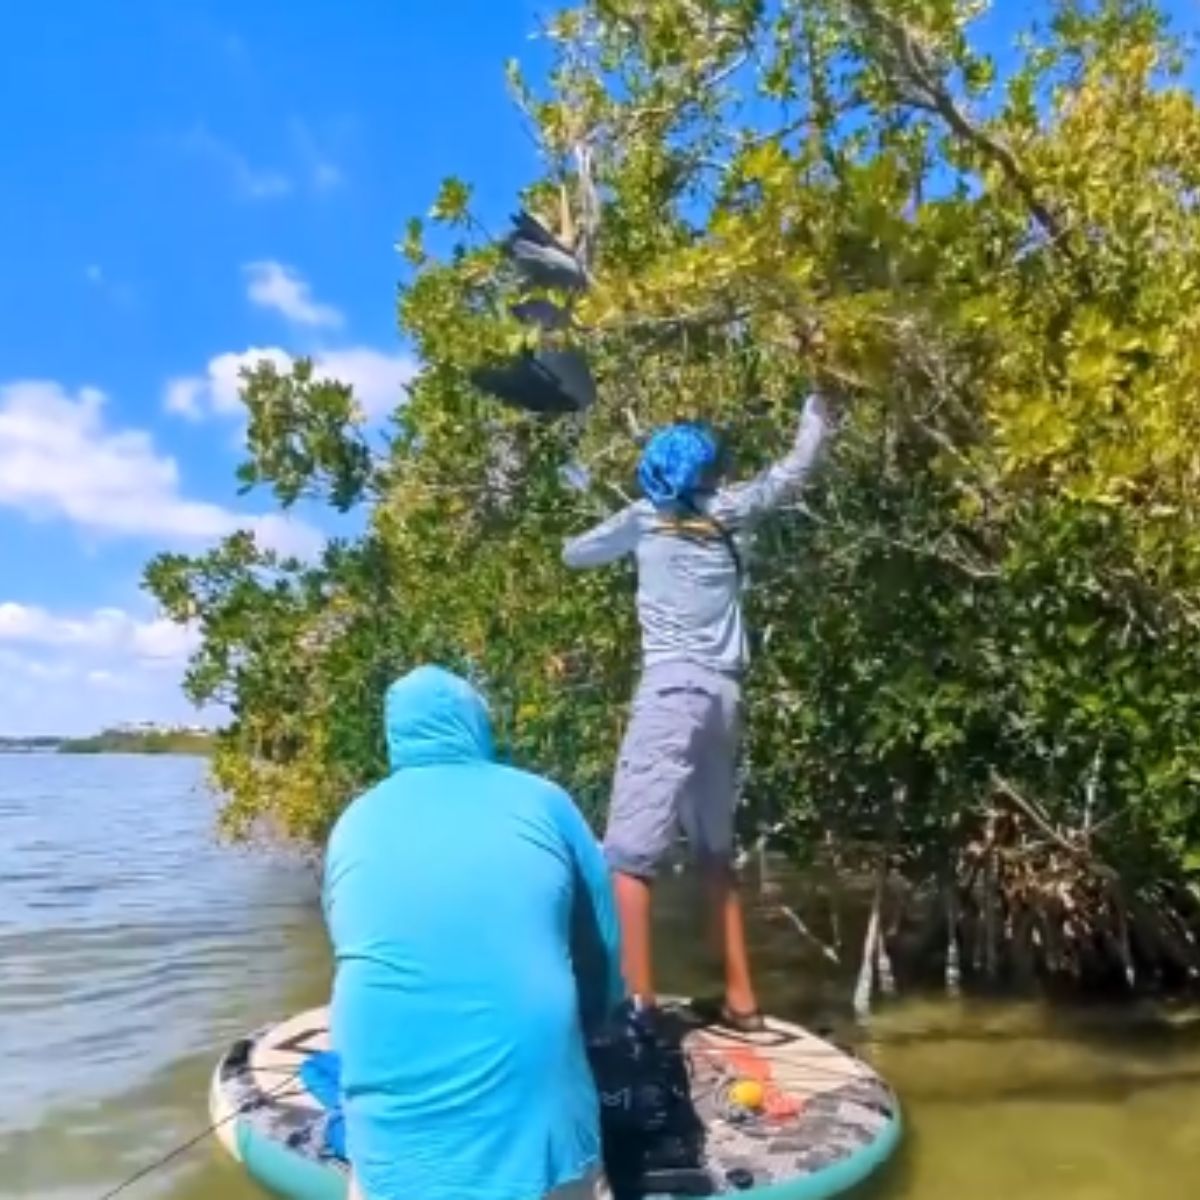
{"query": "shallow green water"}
pixel 132 949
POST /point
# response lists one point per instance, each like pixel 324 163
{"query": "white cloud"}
pixel 106 630
pixel 217 390
pixel 183 398
pixel 98 278
pixel 73 673
pixel 323 173
pixel 251 181
pixel 276 286
pixel 326 175
pixel 310 166
pixel 60 460
pixel 378 379
pixel 33 668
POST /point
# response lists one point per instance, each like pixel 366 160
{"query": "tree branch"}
pixel 1078 853
pixel 676 323
pixel 951 554
pixel 827 951
pixel 589 207
pixel 929 92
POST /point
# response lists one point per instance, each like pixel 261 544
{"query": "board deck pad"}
pixel 258 1077
pixel 822 1106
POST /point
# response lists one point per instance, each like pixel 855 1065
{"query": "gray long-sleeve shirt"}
pixel 689 589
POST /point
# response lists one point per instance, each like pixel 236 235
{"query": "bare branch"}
pixel 865 983
pixel 589 206
pixel 803 930
pixel 1077 852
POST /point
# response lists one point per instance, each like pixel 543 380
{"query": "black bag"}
pixel 652 1136
pixel 541 258
pixel 547 381
pixel 551 380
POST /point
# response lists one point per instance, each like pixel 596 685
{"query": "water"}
pixel 133 948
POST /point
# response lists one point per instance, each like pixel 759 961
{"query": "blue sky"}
pixel 183 183
pixel 187 184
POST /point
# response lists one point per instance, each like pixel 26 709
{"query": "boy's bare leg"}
pixel 726 908
pixel 633 897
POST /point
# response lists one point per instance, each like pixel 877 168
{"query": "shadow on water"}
pixel 134 949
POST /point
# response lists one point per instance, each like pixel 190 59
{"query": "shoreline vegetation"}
pixel 975 683
pixel 115 741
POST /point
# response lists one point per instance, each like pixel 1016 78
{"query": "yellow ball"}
pixel 748 1093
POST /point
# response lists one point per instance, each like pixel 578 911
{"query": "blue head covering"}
pixel 433 717
pixel 674 462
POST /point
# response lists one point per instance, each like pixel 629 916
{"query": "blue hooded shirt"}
pixel 474 935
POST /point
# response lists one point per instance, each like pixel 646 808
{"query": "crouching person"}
pixel 475 943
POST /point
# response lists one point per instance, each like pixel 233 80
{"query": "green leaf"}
pixel 450 207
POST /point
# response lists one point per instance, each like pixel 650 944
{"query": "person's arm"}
pixel 604 543
pixel 766 491
pixel 326 887
pixel 595 932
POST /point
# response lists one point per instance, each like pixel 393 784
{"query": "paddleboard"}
pixel 824 1122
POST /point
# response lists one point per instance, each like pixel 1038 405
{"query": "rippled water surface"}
pixel 133 948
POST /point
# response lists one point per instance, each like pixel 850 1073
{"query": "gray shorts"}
pixel 677 769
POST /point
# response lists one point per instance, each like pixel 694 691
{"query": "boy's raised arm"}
pixel 604 543
pixel 780 481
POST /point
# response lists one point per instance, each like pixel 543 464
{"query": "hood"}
pixel 433 717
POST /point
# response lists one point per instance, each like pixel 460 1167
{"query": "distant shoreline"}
pixel 114 741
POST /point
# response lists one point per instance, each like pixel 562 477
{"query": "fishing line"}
pixel 243 1108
